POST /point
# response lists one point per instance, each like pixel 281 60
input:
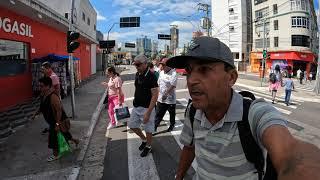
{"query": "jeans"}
pixel 288 94
pixel 161 110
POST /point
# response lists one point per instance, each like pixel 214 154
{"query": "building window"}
pixel 259 43
pixel 300 40
pixel 300 22
pixel 83 17
pixel 14 57
pixel 231 28
pixel 94 27
pixel 235 55
pixel 276 41
pixel 261 13
pixel 275 25
pixel 231 11
pixel 256 2
pixel 299 5
pixel 88 21
pixel 275 9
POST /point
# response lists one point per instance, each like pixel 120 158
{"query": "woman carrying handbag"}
pixel 115 94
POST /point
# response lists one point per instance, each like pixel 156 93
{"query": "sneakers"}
pixel 142 146
pixel 170 128
pixel 110 126
pixel 146 151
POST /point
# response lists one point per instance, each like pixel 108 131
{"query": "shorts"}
pixel 136 119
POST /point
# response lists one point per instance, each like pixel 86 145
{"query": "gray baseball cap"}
pixel 203 48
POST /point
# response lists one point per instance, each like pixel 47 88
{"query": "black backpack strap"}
pixel 251 149
pixel 192 113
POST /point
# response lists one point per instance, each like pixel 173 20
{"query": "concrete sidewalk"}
pixel 25 152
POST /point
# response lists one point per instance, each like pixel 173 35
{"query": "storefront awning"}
pixel 54 58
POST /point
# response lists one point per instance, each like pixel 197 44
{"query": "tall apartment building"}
pixel 174 42
pixel 144 46
pixel 231 25
pixel 290 34
pixel 154 48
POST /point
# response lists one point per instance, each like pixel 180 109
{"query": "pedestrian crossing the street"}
pixel 163 161
pixel 305 86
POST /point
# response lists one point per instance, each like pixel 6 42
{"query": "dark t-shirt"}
pixel 144 83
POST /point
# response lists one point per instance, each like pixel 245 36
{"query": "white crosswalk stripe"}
pixel 306 86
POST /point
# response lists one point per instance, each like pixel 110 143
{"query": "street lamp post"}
pixel 317 87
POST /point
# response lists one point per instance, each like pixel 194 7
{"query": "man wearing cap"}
pixel 167 96
pixel 213 138
pixel 145 98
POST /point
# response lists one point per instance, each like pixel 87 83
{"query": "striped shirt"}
pixel 218 149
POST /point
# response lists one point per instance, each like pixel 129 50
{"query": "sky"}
pixel 156 17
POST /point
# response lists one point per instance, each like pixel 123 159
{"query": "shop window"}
pixel 13 57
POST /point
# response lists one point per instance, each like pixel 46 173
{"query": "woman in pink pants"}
pixel 115 94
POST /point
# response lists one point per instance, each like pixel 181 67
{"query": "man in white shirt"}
pixel 167 96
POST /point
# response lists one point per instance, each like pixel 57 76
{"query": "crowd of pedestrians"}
pixel 220 124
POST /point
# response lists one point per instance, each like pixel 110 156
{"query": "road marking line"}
pixel 258 90
pixel 140 168
pixel 182 90
pixel 128 83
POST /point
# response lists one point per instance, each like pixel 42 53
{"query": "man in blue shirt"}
pixel 289 86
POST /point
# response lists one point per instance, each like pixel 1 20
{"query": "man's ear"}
pixel 233 76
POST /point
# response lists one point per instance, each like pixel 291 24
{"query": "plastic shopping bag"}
pixel 121 113
pixel 64 147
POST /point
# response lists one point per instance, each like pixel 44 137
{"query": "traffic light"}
pixel 264 54
pixel 268 55
pixel 72 44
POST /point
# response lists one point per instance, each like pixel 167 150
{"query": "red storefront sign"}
pixel 309 57
pixel 41 40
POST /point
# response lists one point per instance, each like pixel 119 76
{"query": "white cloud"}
pixel 100 17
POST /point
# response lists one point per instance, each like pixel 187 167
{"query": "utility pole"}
pixel 264 51
pixel 71 64
pixel 317 87
pixel 205 8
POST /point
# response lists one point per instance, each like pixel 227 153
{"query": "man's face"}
pixel 44 88
pixel 45 71
pixel 209 83
pixel 141 67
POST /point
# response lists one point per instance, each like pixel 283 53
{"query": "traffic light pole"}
pixel 317 87
pixel 263 51
pixel 71 65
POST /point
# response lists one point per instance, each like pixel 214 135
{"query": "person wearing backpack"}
pixel 275 82
pixel 228 133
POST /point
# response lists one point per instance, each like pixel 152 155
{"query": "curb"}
pixel 95 116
